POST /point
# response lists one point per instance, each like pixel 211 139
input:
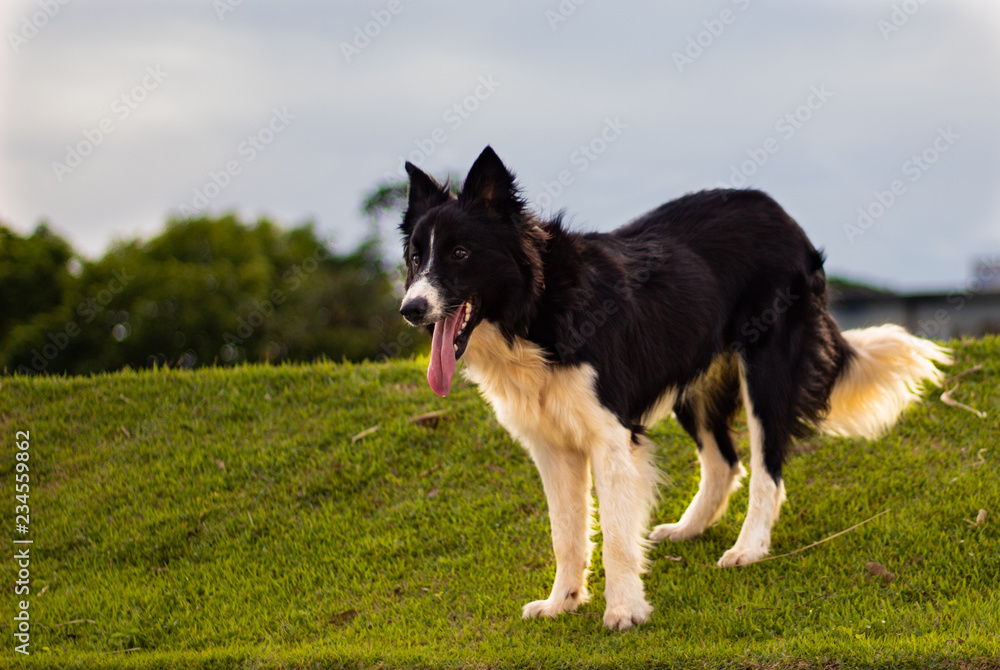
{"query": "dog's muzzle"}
pixel 415 310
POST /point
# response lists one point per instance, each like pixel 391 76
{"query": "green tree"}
pixel 215 291
pixel 33 275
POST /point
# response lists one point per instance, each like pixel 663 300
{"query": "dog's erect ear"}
pixel 491 185
pixel 422 194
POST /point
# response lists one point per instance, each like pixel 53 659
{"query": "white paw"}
pixel 675 532
pixel 552 607
pixel 624 617
pixel 742 556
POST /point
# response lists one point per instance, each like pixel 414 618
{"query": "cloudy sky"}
pixel 876 123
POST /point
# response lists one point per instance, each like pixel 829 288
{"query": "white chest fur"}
pixel 541 405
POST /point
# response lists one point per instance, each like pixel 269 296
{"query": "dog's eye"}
pixel 459 254
pixel 415 259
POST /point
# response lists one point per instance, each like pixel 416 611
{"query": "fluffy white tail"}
pixel 885 374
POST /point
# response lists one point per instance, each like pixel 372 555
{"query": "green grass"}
pixel 416 546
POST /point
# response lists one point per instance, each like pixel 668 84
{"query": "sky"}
pixel 875 123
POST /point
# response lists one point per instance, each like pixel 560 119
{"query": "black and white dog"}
pixel 710 302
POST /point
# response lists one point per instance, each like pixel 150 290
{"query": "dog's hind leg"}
pixel 706 416
pixel 626 487
pixel 566 478
pixel 768 419
pixel 721 472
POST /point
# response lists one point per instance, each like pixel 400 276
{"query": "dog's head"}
pixel 469 258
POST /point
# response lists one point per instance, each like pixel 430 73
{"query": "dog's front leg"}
pixel 626 485
pixel 566 477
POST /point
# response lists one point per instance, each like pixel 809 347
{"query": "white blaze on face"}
pixel 423 288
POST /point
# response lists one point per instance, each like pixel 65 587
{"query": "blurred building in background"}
pixel 972 309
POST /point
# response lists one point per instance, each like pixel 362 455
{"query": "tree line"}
pixel 205 291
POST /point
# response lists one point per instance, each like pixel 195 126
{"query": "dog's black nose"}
pixel 414 310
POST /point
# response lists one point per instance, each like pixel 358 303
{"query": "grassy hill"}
pixel 226 518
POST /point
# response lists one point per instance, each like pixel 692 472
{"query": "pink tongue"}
pixel 442 367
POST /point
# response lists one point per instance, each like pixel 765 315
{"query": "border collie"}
pixel 580 342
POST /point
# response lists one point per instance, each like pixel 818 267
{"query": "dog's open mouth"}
pixel 451 336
